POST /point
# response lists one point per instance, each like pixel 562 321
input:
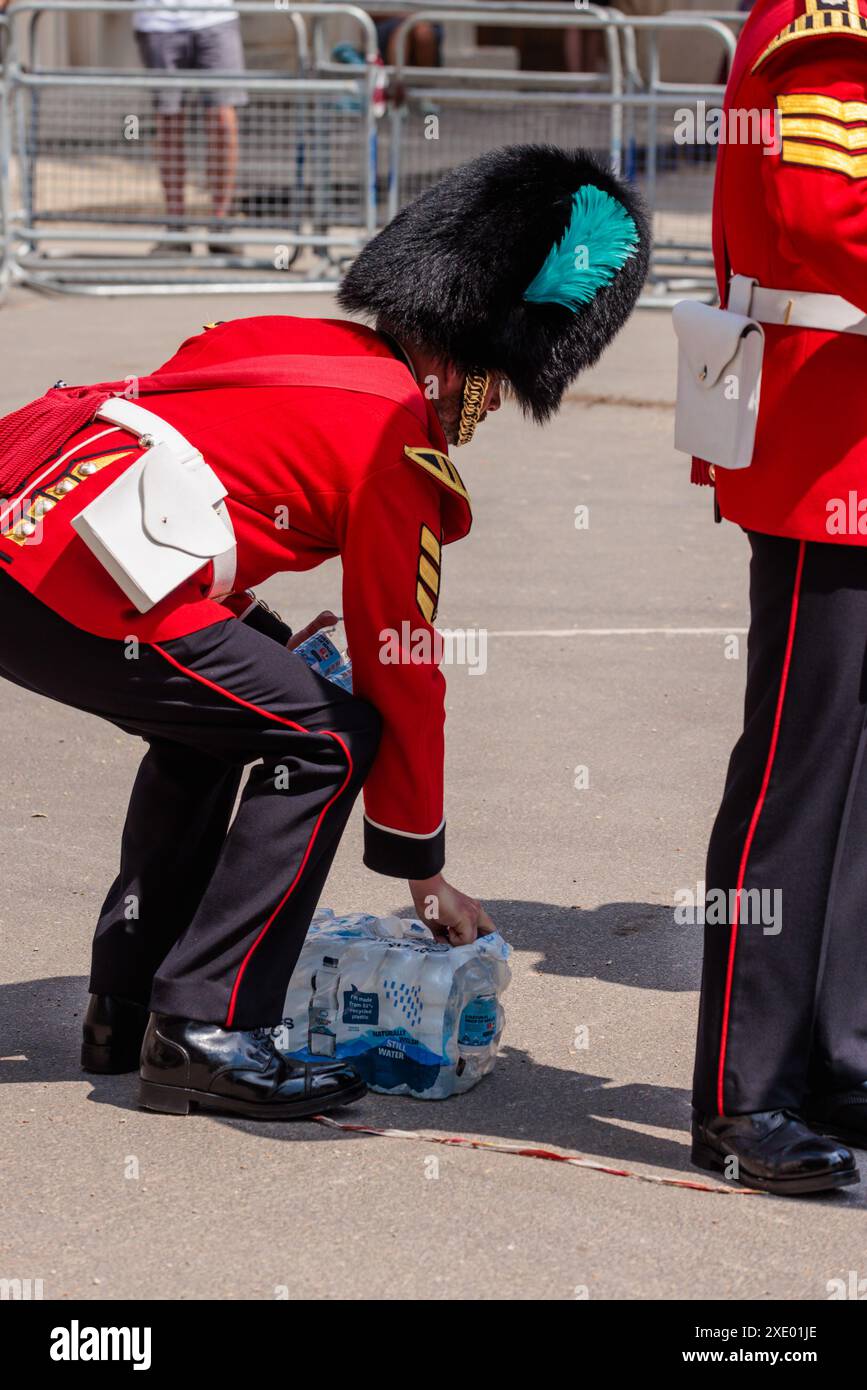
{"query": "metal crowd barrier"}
pixel 87 206
pixel 449 115
pixel 5 226
pixel 324 159
pixel 677 180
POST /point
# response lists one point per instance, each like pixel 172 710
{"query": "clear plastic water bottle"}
pixel 322 1035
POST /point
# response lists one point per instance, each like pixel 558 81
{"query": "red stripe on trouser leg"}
pixel 278 719
pixel 754 820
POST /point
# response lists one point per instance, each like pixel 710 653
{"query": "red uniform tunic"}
pixel 797 219
pixel 311 472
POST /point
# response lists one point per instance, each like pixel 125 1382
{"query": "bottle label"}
pixel 360 1007
pixel 478 1025
pixel 323 657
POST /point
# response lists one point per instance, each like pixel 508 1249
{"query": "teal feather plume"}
pixel 599 240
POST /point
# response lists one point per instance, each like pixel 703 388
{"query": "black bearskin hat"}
pixel 526 261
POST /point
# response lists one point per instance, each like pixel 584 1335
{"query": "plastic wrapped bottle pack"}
pixel 414 1015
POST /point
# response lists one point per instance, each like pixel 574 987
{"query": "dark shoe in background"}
pixel 775 1151
pixel 112 1034
pixel 188 1065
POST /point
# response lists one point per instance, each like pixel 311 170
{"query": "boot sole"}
pixel 107 1061
pixel 712 1162
pixel 178 1100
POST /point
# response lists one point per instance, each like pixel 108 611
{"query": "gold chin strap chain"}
pixel 475 391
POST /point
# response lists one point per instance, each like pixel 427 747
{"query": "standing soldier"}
pixel 133 530
pixel 782 1042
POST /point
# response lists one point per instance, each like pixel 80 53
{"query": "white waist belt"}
pixel 800 309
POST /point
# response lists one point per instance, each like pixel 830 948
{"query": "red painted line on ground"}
pixel 459 1141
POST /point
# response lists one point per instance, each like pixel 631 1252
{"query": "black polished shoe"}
pixel 112 1034
pixel 775 1151
pixel 187 1065
pixel 841 1113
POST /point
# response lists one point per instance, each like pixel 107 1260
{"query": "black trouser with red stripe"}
pixel 784 988
pixel 206 918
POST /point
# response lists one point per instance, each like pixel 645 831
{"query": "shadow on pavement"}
pixel 629 943
pixel 40 1022
pixel 636 944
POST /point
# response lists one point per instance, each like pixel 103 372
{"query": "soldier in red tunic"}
pixel 782 1045
pixel 268 445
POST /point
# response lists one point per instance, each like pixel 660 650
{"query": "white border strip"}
pixel 620 632
pixel 406 834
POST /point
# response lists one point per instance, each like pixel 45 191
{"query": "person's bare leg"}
pixel 170 154
pixel 422 52
pixel 424 47
pixel 222 160
pixel 584 50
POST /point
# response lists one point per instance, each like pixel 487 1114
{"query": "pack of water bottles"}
pixel 415 1016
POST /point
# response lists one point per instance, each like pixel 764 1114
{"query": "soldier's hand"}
pixel 448 912
pixel 326 619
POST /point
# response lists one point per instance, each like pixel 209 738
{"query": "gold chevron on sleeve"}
pixel 428 573
pixel 426 605
pixel 428 579
pixel 848 138
pixel 440 467
pixel 430 543
pixel 817 104
pixel 854 166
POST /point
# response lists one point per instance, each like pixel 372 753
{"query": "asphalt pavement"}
pixel 614 645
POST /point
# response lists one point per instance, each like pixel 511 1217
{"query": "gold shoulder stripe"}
pixel 440 467
pixel 854 166
pixel 832 7
pixel 823 18
pixel 815 104
pixel 832 134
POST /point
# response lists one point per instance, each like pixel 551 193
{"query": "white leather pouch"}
pixel 158 523
pixel 719 377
